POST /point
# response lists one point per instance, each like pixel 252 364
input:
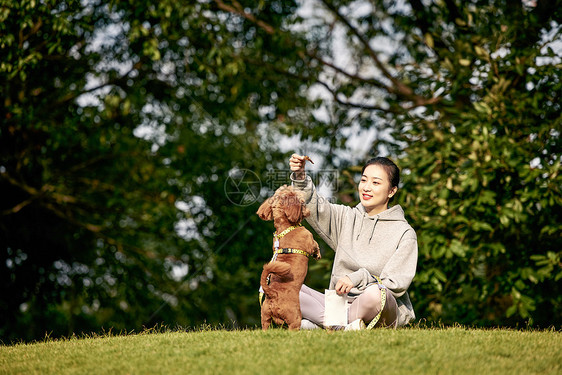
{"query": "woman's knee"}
pixel 370 305
pixel 371 298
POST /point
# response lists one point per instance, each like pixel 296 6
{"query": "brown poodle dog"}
pixel 293 244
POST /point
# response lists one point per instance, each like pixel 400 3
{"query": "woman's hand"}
pixel 296 163
pixel 343 286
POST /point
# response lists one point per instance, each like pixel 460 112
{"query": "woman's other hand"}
pixel 296 163
pixel 343 286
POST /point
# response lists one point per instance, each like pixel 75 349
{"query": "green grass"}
pixel 403 351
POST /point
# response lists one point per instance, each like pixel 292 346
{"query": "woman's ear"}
pixel 392 192
pixel 265 212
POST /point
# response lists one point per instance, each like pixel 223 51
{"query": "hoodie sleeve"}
pixel 325 218
pixel 398 272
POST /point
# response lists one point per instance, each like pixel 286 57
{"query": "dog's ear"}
pixel 305 211
pixel 265 212
pixel 295 208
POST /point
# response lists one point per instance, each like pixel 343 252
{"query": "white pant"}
pixel 364 307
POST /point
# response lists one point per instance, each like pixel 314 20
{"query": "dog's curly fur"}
pixel 286 208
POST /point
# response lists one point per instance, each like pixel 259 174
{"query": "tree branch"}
pixel 36 26
pixel 17 208
pixel 370 81
pixel 354 105
pixel 46 191
pixel 399 87
pixel 74 95
pixel 28 189
pixel 91 227
pixel 236 8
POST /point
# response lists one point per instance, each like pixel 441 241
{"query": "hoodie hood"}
pixel 394 213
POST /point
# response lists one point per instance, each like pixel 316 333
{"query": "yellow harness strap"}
pixel 277 237
pixel 285 250
pixel 288 250
pixel 282 234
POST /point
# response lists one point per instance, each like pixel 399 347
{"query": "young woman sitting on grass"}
pixel 376 250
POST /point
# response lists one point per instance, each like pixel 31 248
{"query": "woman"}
pixel 376 249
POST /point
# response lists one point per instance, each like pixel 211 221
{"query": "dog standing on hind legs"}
pixel 293 244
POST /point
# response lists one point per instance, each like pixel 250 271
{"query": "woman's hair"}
pixel 390 168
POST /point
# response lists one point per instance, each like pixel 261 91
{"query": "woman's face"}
pixel 375 190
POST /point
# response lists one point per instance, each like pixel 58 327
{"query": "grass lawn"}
pixel 403 351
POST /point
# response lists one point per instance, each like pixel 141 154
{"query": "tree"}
pixel 466 95
pixel 121 124
pixel 487 157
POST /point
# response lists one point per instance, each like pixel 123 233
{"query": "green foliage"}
pixel 468 102
pixel 483 183
pixel 121 122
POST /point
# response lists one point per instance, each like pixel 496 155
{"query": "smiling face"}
pixel 375 189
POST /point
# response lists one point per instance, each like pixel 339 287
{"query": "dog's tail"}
pixel 274 268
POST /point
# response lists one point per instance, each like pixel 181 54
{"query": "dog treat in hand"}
pixel 309 159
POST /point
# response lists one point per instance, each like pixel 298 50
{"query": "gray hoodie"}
pixel 384 245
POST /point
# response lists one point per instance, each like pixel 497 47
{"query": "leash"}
pixel 383 302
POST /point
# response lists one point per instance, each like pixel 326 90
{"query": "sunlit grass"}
pixel 409 351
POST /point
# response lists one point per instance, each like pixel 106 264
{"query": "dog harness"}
pixel 285 250
pixel 277 237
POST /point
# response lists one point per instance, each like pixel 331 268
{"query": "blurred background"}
pixel 138 139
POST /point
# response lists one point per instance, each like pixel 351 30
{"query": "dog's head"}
pixel 285 203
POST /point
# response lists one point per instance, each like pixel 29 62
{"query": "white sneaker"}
pixel 307 324
pixel 356 325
